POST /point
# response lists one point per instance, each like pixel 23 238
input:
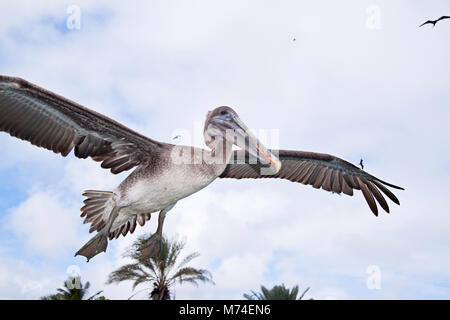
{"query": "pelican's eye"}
pixel 224 112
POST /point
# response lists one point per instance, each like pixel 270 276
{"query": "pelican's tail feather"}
pixel 97 208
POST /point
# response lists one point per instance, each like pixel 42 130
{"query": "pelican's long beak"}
pixel 245 139
pixel 273 160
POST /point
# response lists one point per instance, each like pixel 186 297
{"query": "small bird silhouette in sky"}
pixel 433 22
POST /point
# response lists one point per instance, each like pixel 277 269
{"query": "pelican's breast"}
pixel 154 187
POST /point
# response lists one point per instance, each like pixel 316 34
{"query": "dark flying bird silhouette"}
pixel 361 163
pixel 433 22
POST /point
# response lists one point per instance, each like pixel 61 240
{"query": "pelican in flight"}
pixel 164 173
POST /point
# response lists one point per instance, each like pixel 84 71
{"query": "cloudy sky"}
pixel 361 80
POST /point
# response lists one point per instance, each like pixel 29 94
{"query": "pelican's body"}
pixel 163 173
pixel 157 186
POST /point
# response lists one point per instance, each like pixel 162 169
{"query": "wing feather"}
pixel 321 171
pixel 128 225
pixel 337 182
pixel 345 187
pixel 369 197
pixel 319 178
pixel 48 120
pixel 377 194
pixel 326 185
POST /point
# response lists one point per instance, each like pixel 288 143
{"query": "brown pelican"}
pixel 163 173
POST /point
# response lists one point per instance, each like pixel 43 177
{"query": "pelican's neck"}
pixel 221 152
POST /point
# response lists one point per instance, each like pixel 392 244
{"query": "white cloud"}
pixel 87 174
pixel 21 279
pixel 47 226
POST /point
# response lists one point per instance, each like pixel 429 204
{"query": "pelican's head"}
pixel 223 123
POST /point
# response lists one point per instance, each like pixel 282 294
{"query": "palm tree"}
pixel 73 290
pixel 161 272
pixel 276 293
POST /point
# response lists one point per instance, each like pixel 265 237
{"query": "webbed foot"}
pixel 97 244
pixel 152 247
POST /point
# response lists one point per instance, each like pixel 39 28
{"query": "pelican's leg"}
pixel 152 247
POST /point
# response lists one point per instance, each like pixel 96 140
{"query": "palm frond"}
pixel 294 292
pixel 188 259
pixel 94 295
pixel 128 272
pixel 253 296
pixel 278 292
pixel 139 280
pixel 175 249
pixel 303 294
pixel 265 292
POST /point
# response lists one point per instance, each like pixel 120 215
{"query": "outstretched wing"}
pixel 443 17
pixel 319 170
pixel 50 121
pixel 426 22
